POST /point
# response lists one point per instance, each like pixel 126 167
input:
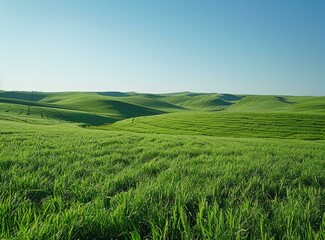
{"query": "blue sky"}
pixel 251 46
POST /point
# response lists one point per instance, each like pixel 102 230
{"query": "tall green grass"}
pixel 240 167
pixel 65 182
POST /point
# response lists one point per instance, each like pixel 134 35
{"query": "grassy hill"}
pixel 152 101
pixel 260 104
pixel 118 105
pixel 244 116
pixel 229 124
pixel 30 96
pixel 102 107
pixel 308 104
pixel 279 104
pixel 88 108
pixel 201 101
pixel 161 166
pixel 93 102
pixel 107 107
pixel 37 113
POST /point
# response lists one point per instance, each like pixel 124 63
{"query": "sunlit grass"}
pixel 229 124
pixel 65 182
pixel 220 166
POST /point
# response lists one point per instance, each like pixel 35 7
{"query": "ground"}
pixel 170 166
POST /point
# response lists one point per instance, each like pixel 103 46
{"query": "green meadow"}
pixel 113 165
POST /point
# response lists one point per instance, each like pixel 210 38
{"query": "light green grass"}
pixel 228 124
pixel 238 167
pixel 279 104
pixel 65 182
pixel 119 106
pixel 151 101
pixel 93 102
pixel 204 101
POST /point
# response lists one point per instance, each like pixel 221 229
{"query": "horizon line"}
pixel 160 93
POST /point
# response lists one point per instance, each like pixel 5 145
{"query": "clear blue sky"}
pixel 243 46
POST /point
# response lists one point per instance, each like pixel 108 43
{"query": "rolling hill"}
pixel 216 113
pixel 38 113
pixel 161 166
pixel 87 108
pixel 279 104
pixel 228 124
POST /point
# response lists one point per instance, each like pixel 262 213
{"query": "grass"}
pixel 116 105
pixel 279 104
pixel 237 173
pixel 29 96
pixel 93 102
pixel 64 182
pixel 229 124
pixel 43 114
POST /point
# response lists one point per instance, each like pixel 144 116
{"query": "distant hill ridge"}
pixel 112 106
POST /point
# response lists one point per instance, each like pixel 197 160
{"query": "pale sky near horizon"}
pixel 228 46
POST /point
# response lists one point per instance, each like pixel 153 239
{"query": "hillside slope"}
pixel 88 108
pixel 201 101
pixel 98 108
pixel 37 113
pixel 279 104
pixel 228 124
pixel 92 102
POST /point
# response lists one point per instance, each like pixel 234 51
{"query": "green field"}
pixel 114 165
pixel 229 124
